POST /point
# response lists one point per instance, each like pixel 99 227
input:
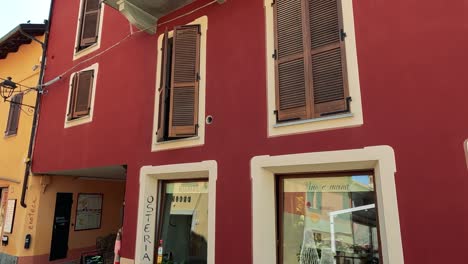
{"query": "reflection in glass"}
pixel 327 220
pixel 185 223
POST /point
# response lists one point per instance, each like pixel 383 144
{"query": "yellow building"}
pixel 20 60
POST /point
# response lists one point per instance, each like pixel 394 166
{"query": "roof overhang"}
pixel 144 14
pixel 12 41
pixel 116 172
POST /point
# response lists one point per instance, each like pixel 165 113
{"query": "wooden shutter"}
pixel 183 116
pixel 90 22
pixel 14 114
pixel 72 96
pixel 330 88
pixel 291 62
pixel 82 94
pixel 163 89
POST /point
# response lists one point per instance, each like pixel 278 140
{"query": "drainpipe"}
pixel 36 110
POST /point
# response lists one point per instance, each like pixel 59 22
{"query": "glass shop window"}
pixel 327 219
pixel 183 230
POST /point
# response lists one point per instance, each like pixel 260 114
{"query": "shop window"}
pixel 344 227
pixel 89 23
pixel 183 225
pixel 179 84
pixel 14 115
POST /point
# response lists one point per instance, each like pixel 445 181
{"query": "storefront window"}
pixel 327 219
pixel 184 226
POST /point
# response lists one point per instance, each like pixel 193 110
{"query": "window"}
pixel 81 96
pixel 310 59
pixel 179 84
pixel 372 181
pixel 80 99
pixel 344 230
pixel 183 231
pixel 313 78
pixel 14 114
pixel 89 23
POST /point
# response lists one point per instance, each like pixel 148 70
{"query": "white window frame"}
pixel 81 53
pixel 150 177
pixel 88 118
pixel 352 119
pixel 199 139
pixel 381 159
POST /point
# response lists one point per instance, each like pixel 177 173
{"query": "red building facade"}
pixel 403 129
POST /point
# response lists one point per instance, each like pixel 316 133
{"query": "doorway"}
pixel 61 227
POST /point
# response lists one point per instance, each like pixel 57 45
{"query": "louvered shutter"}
pixel 163 89
pixel 327 57
pixel 14 114
pixel 72 96
pixel 82 96
pixel 90 22
pixel 183 117
pixel 291 65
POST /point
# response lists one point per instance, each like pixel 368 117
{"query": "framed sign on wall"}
pixel 88 211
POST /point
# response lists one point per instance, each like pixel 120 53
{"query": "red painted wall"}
pixel 412 73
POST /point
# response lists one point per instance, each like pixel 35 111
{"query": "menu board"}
pixel 88 212
pixel 9 216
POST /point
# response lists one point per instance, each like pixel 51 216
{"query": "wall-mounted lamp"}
pixel 7 87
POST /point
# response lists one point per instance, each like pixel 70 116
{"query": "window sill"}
pixel 78 121
pixel 10 135
pixel 177 144
pixel 86 51
pixel 320 119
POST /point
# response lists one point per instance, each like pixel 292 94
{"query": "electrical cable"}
pixel 127 37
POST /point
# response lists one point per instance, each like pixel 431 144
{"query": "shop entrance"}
pixel 61 227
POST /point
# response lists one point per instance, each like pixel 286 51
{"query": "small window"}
pixel 340 227
pixel 80 95
pixel 179 86
pixel 14 115
pixel 89 23
pixel 183 228
pixel 310 60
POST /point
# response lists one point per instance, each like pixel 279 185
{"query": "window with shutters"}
pixel 81 96
pixel 179 109
pixel 313 79
pixel 14 115
pixel 89 27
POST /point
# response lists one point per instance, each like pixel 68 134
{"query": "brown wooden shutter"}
pixel 72 96
pixel 163 89
pixel 330 88
pixel 14 114
pixel 82 96
pixel 90 22
pixel 183 117
pixel 291 63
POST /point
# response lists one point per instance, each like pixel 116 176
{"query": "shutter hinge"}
pixel 342 34
pixel 273 2
pixel 275 55
pixel 198 76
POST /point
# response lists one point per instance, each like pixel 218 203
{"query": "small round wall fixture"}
pixel 209 120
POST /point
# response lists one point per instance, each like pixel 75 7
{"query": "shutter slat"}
pixel 329 83
pixel 183 118
pixel 82 98
pixel 14 114
pixel 163 89
pixel 291 87
pixel 90 23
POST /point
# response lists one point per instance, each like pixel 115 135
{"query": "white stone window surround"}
pixel 89 117
pixel 381 159
pixel 81 53
pixel 200 138
pixel 353 119
pixel 150 176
